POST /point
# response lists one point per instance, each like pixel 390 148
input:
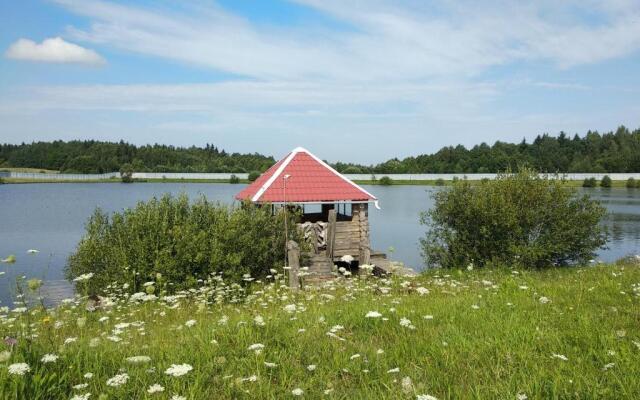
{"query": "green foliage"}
pixel 234 179
pixel 181 240
pixel 439 182
pixel 126 173
pixel 98 157
pixel 617 151
pixel 253 175
pixel 386 181
pixel 589 183
pixel 605 182
pixel 516 219
pixel 631 183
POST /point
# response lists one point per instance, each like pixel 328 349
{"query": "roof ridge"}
pixel 330 168
pixel 273 177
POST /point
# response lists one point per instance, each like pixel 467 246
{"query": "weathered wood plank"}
pixel 293 257
pixel 331 233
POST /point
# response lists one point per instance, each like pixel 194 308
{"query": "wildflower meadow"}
pixel 476 333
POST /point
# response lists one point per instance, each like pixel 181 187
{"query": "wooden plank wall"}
pixel 347 240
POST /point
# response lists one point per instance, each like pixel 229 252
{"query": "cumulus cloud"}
pixel 55 50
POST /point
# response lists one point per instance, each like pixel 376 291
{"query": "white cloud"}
pixel 55 50
pixel 384 39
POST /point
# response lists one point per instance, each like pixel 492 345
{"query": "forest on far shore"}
pixel 611 152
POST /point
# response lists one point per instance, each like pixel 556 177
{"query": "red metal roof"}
pixel 308 180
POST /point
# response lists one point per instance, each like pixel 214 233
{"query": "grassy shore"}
pixel 560 333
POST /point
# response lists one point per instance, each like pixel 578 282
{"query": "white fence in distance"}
pixel 227 176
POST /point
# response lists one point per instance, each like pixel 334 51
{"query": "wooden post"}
pixel 365 246
pixel 293 254
pixel 331 234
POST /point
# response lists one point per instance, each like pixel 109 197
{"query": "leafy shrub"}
pixel 439 182
pixel 386 181
pixel 631 183
pixel 253 175
pixel 234 179
pixel 518 219
pixel 605 182
pixel 589 183
pixel 126 173
pixel 181 240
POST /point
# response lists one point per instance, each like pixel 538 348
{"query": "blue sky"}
pixel 359 80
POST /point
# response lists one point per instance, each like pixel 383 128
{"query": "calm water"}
pixel 51 217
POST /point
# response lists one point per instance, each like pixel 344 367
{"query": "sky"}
pixel 360 81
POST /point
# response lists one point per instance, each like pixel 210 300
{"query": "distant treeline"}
pixel 98 157
pixel 617 151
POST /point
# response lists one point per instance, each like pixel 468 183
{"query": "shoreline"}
pixel 570 183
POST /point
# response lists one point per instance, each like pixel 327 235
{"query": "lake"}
pixel 51 218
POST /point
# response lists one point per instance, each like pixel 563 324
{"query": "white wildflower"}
pixel 297 392
pixel 81 386
pixel 256 347
pixel 190 323
pixel 393 370
pixel 290 308
pixel 422 290
pixel 405 322
pixel 258 320
pixel 353 357
pixel 118 380
pixel 559 357
pixel 49 358
pixel 19 369
pixel 311 367
pixel 70 340
pixel 544 300
pixel 270 364
pixel 155 388
pixel 373 314
pixel 81 396
pixel 425 397
pixel 178 369
pixel 83 277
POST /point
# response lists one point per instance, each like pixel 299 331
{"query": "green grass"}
pixel 501 349
pixel 34 170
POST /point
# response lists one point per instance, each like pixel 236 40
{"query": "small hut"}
pixel 335 210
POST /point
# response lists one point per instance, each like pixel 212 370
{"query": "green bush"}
pixel 253 175
pixel 234 179
pixel 386 181
pixel 605 182
pixel 520 219
pixel 181 240
pixel 126 173
pixel 439 182
pixel 589 183
pixel 631 183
